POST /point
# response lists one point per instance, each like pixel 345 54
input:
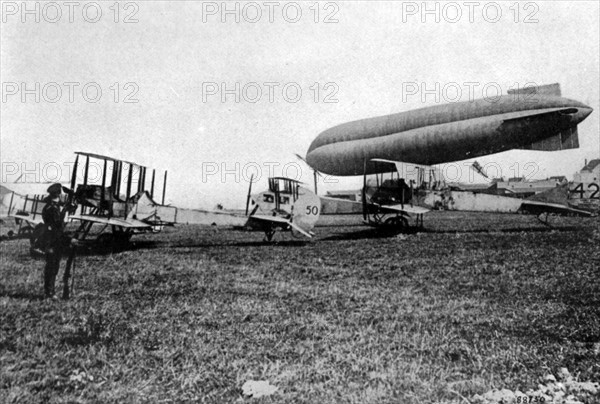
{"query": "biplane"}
pixel 110 206
pixel 120 202
pixel 286 206
pixel 387 199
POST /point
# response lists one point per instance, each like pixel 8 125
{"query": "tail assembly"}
pixel 565 139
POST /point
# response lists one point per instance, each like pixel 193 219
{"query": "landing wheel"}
pixel 106 241
pixel 396 223
pixel 544 218
pixel 122 238
pixel 269 235
pixel 28 230
pixel 113 241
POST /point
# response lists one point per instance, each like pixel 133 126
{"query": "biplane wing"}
pixel 113 221
pixel 27 188
pixel 277 221
pixel 26 216
pixel 415 210
pixel 335 206
pixel 539 207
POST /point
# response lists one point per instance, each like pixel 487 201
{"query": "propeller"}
pixel 249 192
pixel 479 169
pixel 364 192
pixel 74 174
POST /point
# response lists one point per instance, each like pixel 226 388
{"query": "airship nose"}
pixel 583 111
pixel 586 111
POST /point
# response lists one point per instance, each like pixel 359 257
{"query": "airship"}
pixel 533 118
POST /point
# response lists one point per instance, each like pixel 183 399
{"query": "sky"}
pixel 214 92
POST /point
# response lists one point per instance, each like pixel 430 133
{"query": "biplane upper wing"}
pixel 113 221
pixel 280 221
pixel 28 188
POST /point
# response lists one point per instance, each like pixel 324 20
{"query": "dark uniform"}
pixel 53 235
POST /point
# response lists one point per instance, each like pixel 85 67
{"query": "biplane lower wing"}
pixel 113 221
pixel 410 210
pixel 278 221
pixel 333 206
pixel 538 207
pixel 27 217
pixel 30 220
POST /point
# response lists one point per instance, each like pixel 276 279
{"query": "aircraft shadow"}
pixel 131 246
pixel 22 295
pixel 284 243
pixel 98 250
pixel 372 233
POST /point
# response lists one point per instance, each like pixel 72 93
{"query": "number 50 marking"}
pixel 312 210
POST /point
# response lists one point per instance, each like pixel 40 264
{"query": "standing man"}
pixel 53 221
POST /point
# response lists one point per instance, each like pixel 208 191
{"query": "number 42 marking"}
pixel 579 190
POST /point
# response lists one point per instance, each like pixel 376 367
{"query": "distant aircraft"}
pixel 388 200
pixel 22 202
pixel 534 118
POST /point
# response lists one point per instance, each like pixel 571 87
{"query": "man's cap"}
pixel 55 189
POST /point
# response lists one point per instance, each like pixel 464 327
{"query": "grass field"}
pixel 471 303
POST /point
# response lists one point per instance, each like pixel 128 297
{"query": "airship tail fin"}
pixel 566 139
pixel 546 89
